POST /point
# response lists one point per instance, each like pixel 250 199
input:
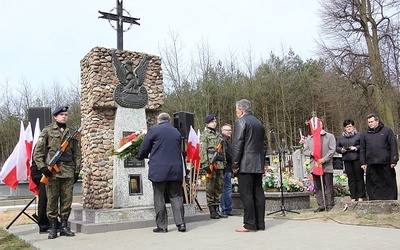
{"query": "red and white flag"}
pixel 197 161
pixel 29 147
pixel 315 127
pixel 193 148
pixel 14 169
pixel 32 185
pixel 36 134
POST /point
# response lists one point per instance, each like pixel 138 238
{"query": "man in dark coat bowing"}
pixel 163 143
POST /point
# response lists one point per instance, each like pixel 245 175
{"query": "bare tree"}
pixel 27 96
pixel 172 58
pixel 361 43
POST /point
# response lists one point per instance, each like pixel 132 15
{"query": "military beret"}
pixel 209 118
pixel 60 109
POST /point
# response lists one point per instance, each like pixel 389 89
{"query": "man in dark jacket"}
pixel 248 150
pixel 379 155
pixel 163 143
pixel 226 198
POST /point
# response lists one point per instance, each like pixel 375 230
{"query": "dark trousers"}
pixel 328 183
pixel 381 182
pixel 253 198
pixel 355 176
pixel 43 221
pixel 175 193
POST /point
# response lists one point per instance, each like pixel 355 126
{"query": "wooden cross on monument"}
pixel 121 19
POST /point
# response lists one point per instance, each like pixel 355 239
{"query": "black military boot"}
pixel 213 213
pixel 221 215
pixel 53 229
pixel 64 230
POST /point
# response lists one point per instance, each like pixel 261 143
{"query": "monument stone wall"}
pixel 98 109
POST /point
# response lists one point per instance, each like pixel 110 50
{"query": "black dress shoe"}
pixel 182 227
pixel 320 209
pixel 160 230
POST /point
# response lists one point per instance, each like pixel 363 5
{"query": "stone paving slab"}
pixel 220 234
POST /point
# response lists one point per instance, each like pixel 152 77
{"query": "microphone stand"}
pixel 282 150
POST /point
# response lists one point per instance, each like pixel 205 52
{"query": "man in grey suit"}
pixel 328 145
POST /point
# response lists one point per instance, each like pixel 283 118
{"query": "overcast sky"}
pixel 44 40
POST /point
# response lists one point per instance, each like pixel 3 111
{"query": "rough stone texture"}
pixel 98 81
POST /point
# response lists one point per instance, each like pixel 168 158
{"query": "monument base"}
pixel 368 207
pixel 292 201
pixel 91 221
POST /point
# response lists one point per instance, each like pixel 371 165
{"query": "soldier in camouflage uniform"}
pixel 60 187
pixel 214 185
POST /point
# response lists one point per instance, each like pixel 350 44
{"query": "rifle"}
pixel 213 163
pixel 53 162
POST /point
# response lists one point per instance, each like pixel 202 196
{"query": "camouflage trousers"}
pixel 215 187
pixel 59 189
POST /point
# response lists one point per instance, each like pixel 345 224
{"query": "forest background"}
pixel 357 73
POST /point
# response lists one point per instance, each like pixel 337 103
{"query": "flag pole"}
pixel 184 185
pixel 191 182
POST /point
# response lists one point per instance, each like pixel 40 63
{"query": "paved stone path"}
pixel 220 234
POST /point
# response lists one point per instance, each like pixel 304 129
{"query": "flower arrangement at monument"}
pixel 129 145
pixel 270 178
pixel 291 184
pixel 271 181
pixel 308 183
pixel 342 178
pixel 340 187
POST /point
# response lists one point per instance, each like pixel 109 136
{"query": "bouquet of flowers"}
pixel 270 178
pixel 129 145
pixel 292 184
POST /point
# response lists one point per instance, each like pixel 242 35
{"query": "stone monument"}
pixel 131 96
pixel 106 122
pixel 116 193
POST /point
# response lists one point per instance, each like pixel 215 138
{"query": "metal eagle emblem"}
pixel 130 92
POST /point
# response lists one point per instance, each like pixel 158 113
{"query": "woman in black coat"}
pixel 348 145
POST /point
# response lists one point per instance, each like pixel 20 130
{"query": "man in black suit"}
pixel 248 150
